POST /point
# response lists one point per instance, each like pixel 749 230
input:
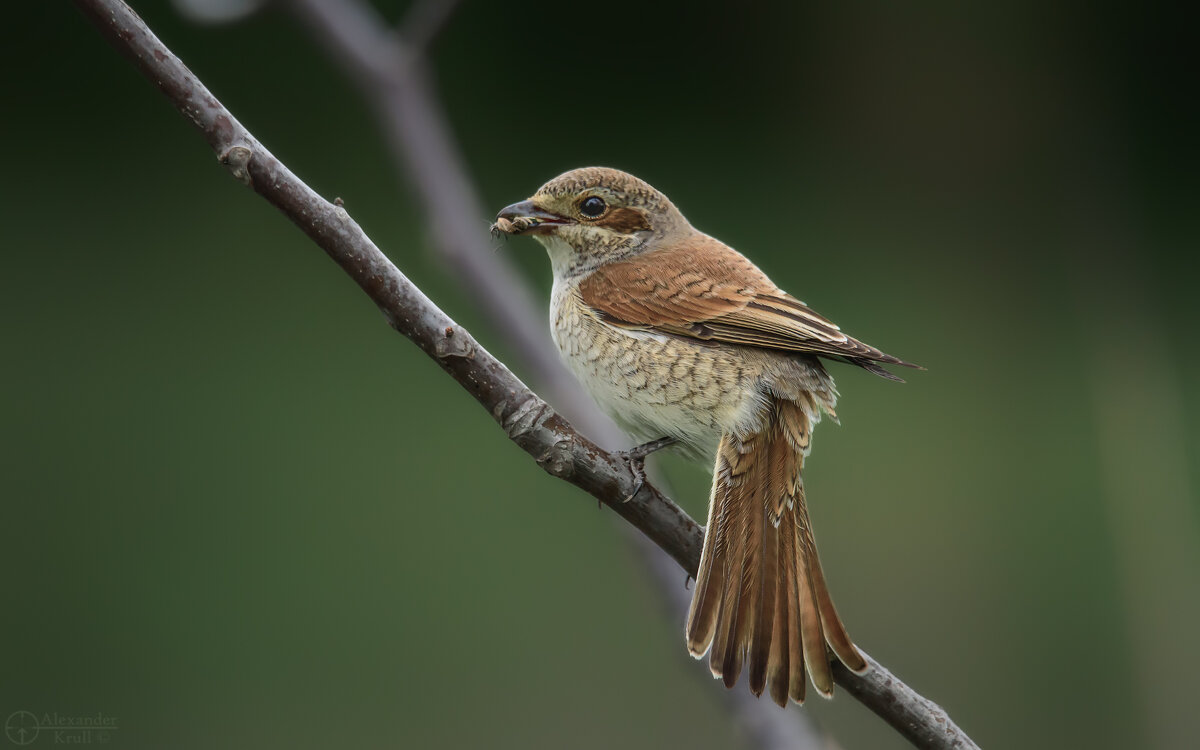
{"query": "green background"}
pixel 239 511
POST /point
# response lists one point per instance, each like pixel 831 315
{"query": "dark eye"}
pixel 592 207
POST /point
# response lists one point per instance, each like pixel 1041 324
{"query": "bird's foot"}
pixel 636 458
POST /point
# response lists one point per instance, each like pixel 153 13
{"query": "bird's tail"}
pixel 760 594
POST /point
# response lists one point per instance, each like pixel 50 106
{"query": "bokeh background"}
pixel 239 511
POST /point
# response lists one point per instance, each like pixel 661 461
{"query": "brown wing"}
pixel 706 291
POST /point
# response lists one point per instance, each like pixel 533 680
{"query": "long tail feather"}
pixel 796 677
pixel 753 485
pixel 723 655
pixel 835 631
pixel 767 620
pixel 760 592
pixel 812 635
pixel 706 599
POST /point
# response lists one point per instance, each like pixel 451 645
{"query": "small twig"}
pixel 213 12
pixel 527 420
pixel 383 67
pixel 423 22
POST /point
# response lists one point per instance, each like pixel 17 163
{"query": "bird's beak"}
pixel 524 217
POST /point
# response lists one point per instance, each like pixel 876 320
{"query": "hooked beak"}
pixel 525 217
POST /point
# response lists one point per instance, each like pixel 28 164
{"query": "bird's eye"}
pixel 592 207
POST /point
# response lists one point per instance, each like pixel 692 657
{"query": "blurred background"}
pixel 240 511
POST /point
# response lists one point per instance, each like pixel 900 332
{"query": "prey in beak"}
pixel 526 218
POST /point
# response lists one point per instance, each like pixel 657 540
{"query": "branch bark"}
pixel 525 418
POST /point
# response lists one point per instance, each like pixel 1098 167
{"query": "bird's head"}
pixel 591 216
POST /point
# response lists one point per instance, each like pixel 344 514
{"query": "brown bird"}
pixel 679 337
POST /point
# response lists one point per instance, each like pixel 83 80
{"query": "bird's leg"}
pixel 636 458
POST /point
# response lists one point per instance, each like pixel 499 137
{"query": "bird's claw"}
pixel 637 467
pixel 635 457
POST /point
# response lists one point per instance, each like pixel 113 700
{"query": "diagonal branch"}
pixel 527 420
pixel 391 77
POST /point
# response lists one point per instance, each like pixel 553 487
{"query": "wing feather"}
pixel 704 290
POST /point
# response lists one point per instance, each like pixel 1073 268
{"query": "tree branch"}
pixel 525 418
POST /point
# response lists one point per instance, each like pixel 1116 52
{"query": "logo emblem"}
pixel 21 727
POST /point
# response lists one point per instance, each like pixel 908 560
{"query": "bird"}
pixel 687 344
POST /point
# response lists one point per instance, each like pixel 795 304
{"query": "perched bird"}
pixel 684 341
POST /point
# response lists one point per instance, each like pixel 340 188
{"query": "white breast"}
pixel 654 385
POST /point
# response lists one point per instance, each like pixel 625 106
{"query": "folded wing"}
pixel 706 291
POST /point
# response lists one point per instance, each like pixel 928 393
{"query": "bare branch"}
pixel 525 418
pixel 390 78
pixel 922 722
pixel 423 22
